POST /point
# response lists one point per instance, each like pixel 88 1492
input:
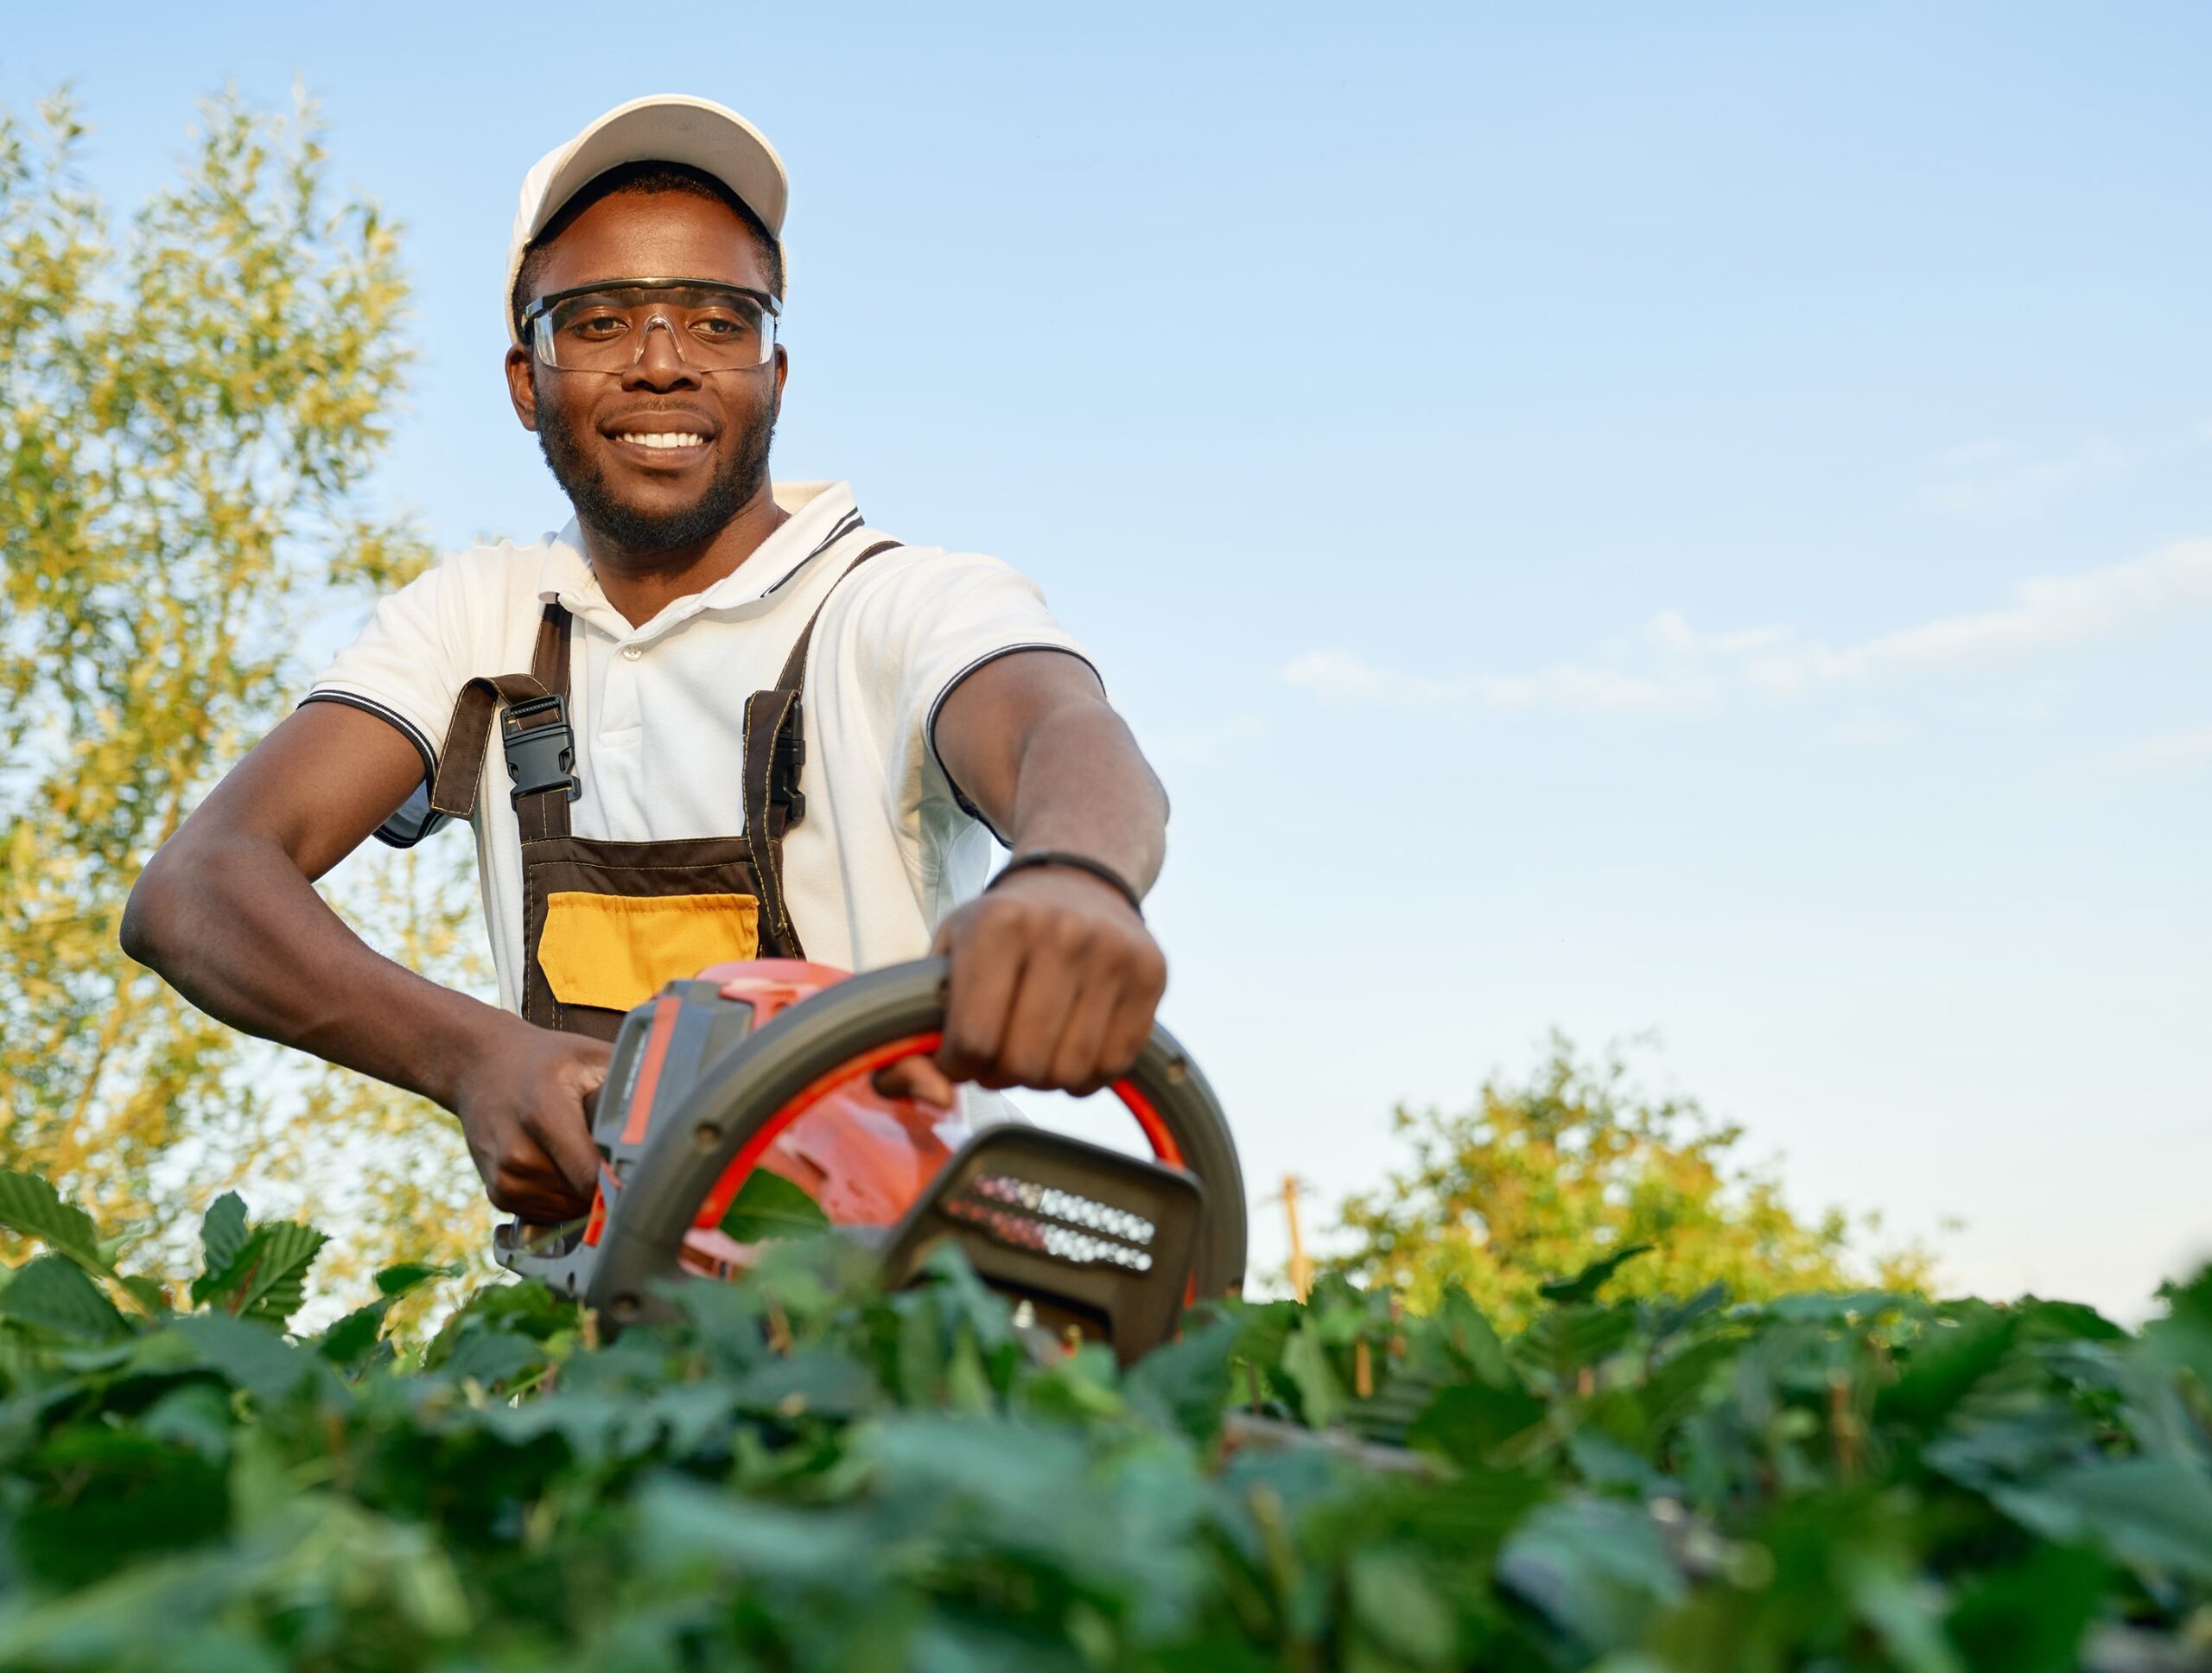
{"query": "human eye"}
pixel 590 319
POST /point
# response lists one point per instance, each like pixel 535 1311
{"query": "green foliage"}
pixel 807 1473
pixel 190 405
pixel 769 1205
pixel 1574 1169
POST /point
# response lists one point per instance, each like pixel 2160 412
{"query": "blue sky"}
pixel 1689 521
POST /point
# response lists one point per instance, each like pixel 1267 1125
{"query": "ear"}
pixel 521 390
pixel 783 370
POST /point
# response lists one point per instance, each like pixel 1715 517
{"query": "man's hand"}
pixel 1054 986
pixel 521 1106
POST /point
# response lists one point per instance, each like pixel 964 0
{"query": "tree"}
pixel 1541 1180
pixel 189 413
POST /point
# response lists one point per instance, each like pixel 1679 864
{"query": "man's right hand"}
pixel 521 1104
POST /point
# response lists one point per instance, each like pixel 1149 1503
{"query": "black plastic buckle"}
pixel 543 757
pixel 782 774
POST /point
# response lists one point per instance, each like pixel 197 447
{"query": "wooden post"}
pixel 1301 1269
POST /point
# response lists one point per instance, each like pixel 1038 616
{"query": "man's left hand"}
pixel 1054 986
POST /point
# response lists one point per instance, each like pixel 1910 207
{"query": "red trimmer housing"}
pixel 738 1107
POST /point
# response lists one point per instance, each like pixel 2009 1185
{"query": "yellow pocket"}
pixel 617 950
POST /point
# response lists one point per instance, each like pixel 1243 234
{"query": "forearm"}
pixel 1081 784
pixel 1054 980
pixel 232 924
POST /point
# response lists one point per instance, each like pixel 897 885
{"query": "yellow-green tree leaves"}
pixel 1539 1181
pixel 189 408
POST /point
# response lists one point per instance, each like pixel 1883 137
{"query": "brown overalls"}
pixel 605 924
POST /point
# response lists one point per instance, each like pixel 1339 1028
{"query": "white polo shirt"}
pixel 887 847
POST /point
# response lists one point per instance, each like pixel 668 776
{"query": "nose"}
pixel 659 365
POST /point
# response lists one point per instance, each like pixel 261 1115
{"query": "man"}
pixel 750 725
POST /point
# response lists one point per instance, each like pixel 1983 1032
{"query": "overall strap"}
pixel 775 750
pixel 534 734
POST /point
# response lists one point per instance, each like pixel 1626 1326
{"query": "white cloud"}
pixel 1341 676
pixel 1864 729
pixel 1996 479
pixel 2177 749
pixel 1582 686
pixel 2046 611
pixel 1674 665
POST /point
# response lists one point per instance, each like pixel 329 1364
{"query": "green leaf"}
pixel 769 1205
pixel 127 1495
pixel 1599 1569
pixel 196 1415
pixel 683 1526
pixel 1954 1350
pixel 1469 1421
pixel 31 1207
pixel 2065 1321
pixel 1673 1391
pixel 2184 1337
pixel 1471 1514
pixel 266 1278
pixel 1471 1339
pixel 492 1357
pixel 1187 1382
pixel 395 1282
pixel 1396 1606
pixel 353 1338
pixel 525 1309
pixel 2191 1300
pixel 148 1294
pixel 1584 1285
pixel 2150 1513
pixel 1890 1597
pixel 816 1381
pixel 1566 1339
pixel 1306 1362
pixel 55 1292
pixel 2030 1618
pixel 222 1234
pixel 248 1356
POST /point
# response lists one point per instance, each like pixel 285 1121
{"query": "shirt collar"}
pixel 819 514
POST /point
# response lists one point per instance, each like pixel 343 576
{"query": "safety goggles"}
pixel 604 327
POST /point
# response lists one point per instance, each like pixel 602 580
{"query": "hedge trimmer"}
pixel 738 1108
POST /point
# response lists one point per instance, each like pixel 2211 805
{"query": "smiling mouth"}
pixel 662 441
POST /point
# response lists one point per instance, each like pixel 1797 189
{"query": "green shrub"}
pixel 811 1474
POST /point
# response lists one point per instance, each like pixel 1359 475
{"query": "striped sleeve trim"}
pixel 937 705
pixel 412 820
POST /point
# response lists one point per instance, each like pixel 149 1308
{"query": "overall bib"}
pixel 606 923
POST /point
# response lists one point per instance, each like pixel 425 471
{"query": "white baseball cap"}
pixel 662 128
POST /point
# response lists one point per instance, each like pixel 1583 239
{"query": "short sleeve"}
pixel 404 668
pixel 944 616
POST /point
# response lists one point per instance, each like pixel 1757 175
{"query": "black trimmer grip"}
pixel 693 1145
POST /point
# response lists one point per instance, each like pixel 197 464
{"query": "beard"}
pixel 740 473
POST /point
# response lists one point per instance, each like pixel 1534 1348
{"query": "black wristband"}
pixel 1052 856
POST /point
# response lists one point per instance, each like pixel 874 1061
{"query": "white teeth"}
pixel 667 439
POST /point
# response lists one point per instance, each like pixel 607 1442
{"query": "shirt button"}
pixel 630 653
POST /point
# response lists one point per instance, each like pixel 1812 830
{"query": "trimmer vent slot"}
pixel 1078 1229
pixel 1085 1236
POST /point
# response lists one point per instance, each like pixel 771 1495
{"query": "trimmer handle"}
pixel 768 1079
